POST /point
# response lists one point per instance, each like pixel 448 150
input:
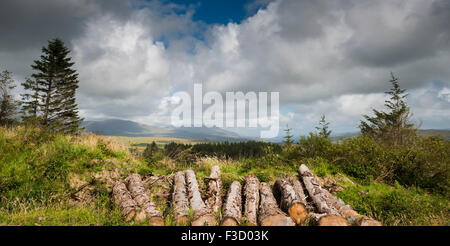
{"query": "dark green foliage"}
pixel 422 162
pixel 391 127
pixel 30 102
pixel 233 150
pixel 323 128
pixel 8 105
pixel 54 88
pixel 150 150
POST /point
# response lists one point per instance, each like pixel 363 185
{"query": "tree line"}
pixel 48 100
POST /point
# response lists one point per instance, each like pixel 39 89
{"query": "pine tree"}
pixel 288 138
pixel 8 104
pixel 56 84
pixel 393 126
pixel 30 102
pixel 323 128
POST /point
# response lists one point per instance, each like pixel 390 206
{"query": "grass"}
pixel 39 171
pixel 397 205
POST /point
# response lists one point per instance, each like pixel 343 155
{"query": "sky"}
pixel 331 58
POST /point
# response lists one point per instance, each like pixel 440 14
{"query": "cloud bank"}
pixel 324 57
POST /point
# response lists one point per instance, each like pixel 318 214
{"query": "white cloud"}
pixel 324 57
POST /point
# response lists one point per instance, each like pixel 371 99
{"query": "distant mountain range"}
pixel 116 127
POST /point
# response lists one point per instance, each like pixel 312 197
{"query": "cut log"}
pixel 251 194
pixel 124 201
pixel 180 200
pixel 299 192
pixel 269 212
pixel 289 202
pixel 316 192
pixel 233 206
pixel 364 221
pixel 148 207
pixel 202 215
pixel 332 220
pixel 214 193
pixel 329 204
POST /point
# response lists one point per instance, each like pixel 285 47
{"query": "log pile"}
pixel 335 210
pixel 202 215
pixel 289 201
pixel 233 206
pixel 269 212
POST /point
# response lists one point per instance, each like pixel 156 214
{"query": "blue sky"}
pixel 220 11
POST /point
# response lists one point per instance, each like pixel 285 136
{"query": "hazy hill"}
pixel 444 133
pixel 116 127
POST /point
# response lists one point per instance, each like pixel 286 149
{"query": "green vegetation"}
pixel 50 97
pixel 39 171
pixel 51 165
pixel 50 177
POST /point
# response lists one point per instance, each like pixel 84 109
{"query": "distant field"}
pixel 141 142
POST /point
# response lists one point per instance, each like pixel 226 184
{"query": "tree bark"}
pixel 316 192
pixel 148 208
pixel 294 180
pixel 180 200
pixel 269 213
pixel 233 206
pixel 124 201
pixel 202 215
pixel 329 204
pixel 214 194
pixel 251 193
pixel 289 202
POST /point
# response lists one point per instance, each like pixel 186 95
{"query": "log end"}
pixel 141 216
pixel 182 221
pixel 349 213
pixel 332 220
pixel 205 220
pixel 298 212
pixel 229 222
pixel 129 216
pixel 156 221
pixel 368 222
pixel 277 220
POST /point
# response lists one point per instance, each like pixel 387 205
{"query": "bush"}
pixel 422 162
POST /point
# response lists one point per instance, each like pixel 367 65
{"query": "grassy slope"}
pixel 37 170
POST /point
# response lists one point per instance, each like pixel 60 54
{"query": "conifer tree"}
pixel 323 128
pixel 56 84
pixel 8 104
pixel 392 126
